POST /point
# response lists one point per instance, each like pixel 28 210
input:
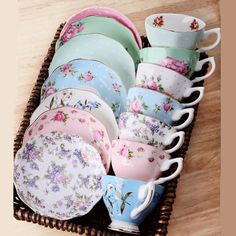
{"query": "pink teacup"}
pixel 106 12
pixel 142 162
pixel 73 121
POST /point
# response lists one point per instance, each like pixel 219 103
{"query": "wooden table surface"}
pixel 196 209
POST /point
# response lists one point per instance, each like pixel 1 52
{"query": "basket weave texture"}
pixel 96 221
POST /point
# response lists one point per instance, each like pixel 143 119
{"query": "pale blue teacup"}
pixel 160 106
pixel 129 201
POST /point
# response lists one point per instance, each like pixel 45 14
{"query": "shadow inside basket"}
pixel 97 220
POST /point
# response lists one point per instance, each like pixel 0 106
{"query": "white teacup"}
pixel 178 30
pixel 159 78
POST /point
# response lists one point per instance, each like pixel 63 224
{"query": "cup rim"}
pixel 202 23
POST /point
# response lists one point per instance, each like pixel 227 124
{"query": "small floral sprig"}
pixel 158 21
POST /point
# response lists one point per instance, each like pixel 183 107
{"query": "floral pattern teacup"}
pixel 145 161
pixel 178 31
pixel 164 80
pixel 182 61
pixel 83 100
pixel 58 175
pixel 88 74
pixel 157 105
pixel 144 129
pixel 73 121
pixel 129 201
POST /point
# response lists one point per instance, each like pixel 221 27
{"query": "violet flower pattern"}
pixel 116 87
pixel 179 66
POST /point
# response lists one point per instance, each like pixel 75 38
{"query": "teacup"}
pixel 139 161
pixel 129 201
pixel 183 61
pixel 81 73
pixel 144 129
pixel 58 175
pixel 178 30
pixel 105 26
pixel 160 106
pixel 83 100
pixel 104 12
pixel 73 121
pixel 159 78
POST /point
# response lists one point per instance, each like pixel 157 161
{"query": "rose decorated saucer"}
pixel 100 48
pixel 84 100
pixel 58 175
pixel 73 121
pixel 81 73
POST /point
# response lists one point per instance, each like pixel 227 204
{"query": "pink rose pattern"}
pixel 153 83
pixel 176 65
pixel 48 89
pixel 137 105
pixel 60 116
pixel 126 152
pixel 71 32
pixel 88 76
pixel 67 69
pixel 116 87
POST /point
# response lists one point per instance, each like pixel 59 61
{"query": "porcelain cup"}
pixel 129 201
pixel 144 129
pixel 183 61
pixel 180 31
pixel 164 80
pixel 160 106
pixel 139 161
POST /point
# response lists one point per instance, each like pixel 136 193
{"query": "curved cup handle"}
pixel 199 67
pixel 206 34
pixel 170 139
pixel 189 91
pixel 166 165
pixel 179 113
pixel 145 192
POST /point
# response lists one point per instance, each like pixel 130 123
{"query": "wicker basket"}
pixel 96 221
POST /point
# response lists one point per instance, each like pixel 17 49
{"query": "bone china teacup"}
pixel 181 60
pixel 167 81
pixel 160 106
pixel 146 162
pixel 178 30
pixel 129 201
pixel 144 129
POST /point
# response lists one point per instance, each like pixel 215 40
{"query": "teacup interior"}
pixel 175 22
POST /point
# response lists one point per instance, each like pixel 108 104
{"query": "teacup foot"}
pixel 122 226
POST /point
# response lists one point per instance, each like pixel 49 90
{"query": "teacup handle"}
pixel 189 91
pixel 199 67
pixel 170 139
pixel 166 165
pixel 146 191
pixel 179 113
pixel 206 34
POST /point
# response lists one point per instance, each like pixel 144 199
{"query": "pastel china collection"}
pixel 58 175
pixel 179 31
pixel 109 102
pixel 88 74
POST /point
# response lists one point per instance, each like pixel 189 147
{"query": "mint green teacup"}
pixel 181 60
